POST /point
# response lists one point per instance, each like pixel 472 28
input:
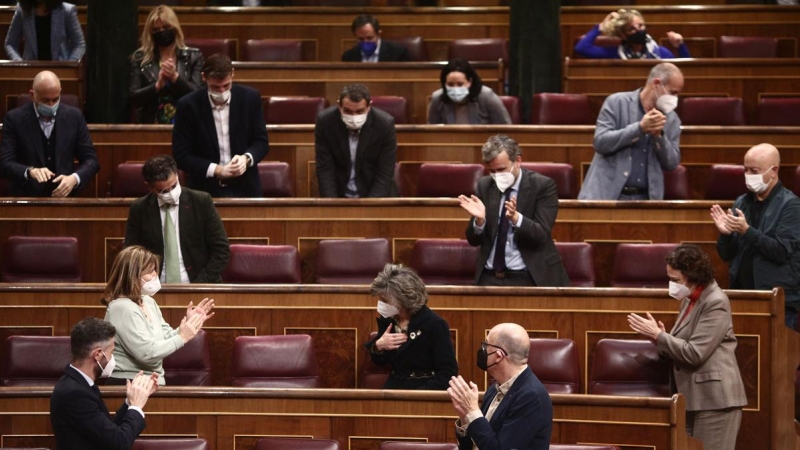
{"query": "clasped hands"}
pixel 475 207
pixel 235 168
pixel 66 183
pixel 168 73
pixel 731 222
pixel 647 327
pixel 653 122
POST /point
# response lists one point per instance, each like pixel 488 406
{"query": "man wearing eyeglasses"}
pixel 180 225
pixel 517 412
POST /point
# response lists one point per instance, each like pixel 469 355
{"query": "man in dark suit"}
pixel 78 414
pixel 41 142
pixel 370 47
pixel 512 217
pixel 517 412
pixel 356 147
pixel 220 135
pixel 180 225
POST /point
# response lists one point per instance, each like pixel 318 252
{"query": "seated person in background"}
pixel 179 225
pixel 50 29
pixel 637 138
pixel 41 142
pixel 356 147
pixel 370 47
pixel 163 69
pixel 464 100
pixel 220 135
pixel 411 338
pixel 628 25
pixel 144 338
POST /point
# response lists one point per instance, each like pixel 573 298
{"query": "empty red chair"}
pixel 555 363
pixel 512 106
pixel 292 110
pixel 35 360
pixel 170 444
pixel 283 443
pixel 725 182
pixel 276 179
pixel 563 174
pixel 722 111
pixel 191 364
pixel 747 47
pixel 268 264
pixel 67 99
pixel 398 445
pixel 351 261
pixel 676 184
pixel 445 261
pixel 128 181
pixel 273 50
pixel 448 180
pixel 581 446
pixel 490 49
pixel 286 361
pixel 33 259
pixel 208 47
pixel 780 111
pixel 396 106
pixel 630 368
pixel 561 109
pixel 641 265
pixel 415 46
pixel 578 258
pixel 373 376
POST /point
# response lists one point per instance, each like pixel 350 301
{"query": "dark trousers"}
pixel 512 278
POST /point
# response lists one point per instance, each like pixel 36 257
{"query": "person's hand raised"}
pixel 390 340
pixel 475 207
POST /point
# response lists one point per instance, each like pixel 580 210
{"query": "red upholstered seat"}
pixel 561 109
pixel 628 367
pixel 582 446
pixel 490 49
pixel 782 111
pixel 275 362
pixel 276 179
pixel 578 258
pixel 373 376
pixel 281 443
pixel 292 110
pixel 415 46
pixel 747 47
pixel 67 99
pixel 34 259
pixel 555 363
pixel 722 111
pixel 445 261
pixel 35 360
pixel 268 264
pixel 208 47
pixel 725 182
pixel 397 107
pixel 448 180
pixel 273 50
pixel 512 106
pixel 191 364
pixel 398 445
pixel 351 261
pixel 170 444
pixel 676 184
pixel 128 181
pixel 563 174
pixel 641 265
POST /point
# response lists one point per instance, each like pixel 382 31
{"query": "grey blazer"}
pixel 66 37
pixel 487 108
pixel 617 129
pixel 701 348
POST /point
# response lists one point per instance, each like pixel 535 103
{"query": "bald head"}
pixel 766 154
pixel 46 88
pixel 513 339
pixel 665 72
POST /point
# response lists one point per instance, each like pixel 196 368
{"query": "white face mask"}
pixel 457 93
pixel 667 102
pixel 171 197
pixel 503 180
pixel 151 287
pixel 755 182
pixel 220 97
pixel 109 367
pixel 678 291
pixel 355 121
pixel 386 310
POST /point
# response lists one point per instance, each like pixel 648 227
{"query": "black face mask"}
pixel 164 38
pixel 639 37
pixel 483 356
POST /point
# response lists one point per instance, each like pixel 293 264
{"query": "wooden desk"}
pixel 17 77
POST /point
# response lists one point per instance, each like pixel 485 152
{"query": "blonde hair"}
pixel 615 27
pixel 167 17
pixel 129 266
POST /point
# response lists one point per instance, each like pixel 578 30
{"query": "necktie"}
pixel 499 262
pixel 172 268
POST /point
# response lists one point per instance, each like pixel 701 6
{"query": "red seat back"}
pixel 641 265
pixel 415 46
pixel 561 109
pixel 398 445
pixel 128 181
pixel 490 49
pixel 273 50
pixel 630 368
pixel 725 182
pixel 351 261
pixel 512 106
pixel 747 47
pixel 578 259
pixel 267 264
pixel 191 364
pixel 170 444
pixel 261 361
pixel 676 184
pixel 448 180
pixel 563 174
pixel 555 363
pixel 276 179
pixel 281 443
pixel 208 47
pixel 395 106
pixel 34 259
pixel 35 360
pixel 781 111
pixel 722 111
pixel 445 261
pixel 582 446
pixel 373 376
pixel 292 110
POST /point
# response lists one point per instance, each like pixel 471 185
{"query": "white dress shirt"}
pixel 513 256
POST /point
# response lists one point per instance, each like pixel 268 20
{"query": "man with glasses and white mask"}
pixel 512 218
pixel 760 235
pixel 636 139
pixel 178 224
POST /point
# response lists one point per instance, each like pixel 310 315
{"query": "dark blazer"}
pixel 537 201
pixel 389 52
pixel 66 36
pixel 195 144
pixel 376 154
pixel 81 420
pixel 22 147
pixel 523 420
pixel 143 81
pixel 429 350
pixel 204 243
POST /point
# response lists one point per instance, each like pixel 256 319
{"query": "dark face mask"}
pixel 483 356
pixel 164 38
pixel 639 37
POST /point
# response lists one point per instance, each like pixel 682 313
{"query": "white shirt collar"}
pixel 86 377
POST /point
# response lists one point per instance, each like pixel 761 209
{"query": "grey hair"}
pixel 500 143
pixel 517 349
pixel 402 285
pixel 663 72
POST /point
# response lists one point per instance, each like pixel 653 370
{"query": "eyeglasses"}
pixel 485 344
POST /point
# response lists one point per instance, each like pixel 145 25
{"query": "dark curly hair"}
pixel 693 263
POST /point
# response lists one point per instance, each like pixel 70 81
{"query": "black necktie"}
pixel 499 262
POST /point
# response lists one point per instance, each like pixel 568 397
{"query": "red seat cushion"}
pixel 445 261
pixel 578 258
pixel 280 443
pixel 781 111
pixel 276 179
pixel 191 364
pixel 747 47
pixel 273 50
pixel 563 174
pixel 209 46
pixel 722 111
pixel 725 182
pixel 448 180
pixel 35 360
pixel 490 49
pixel 561 109
pixel 351 261
pixel 277 264
pixel 641 265
pixel 397 107
pixel 629 367
pixel 292 110
pixel 286 361
pixel 555 363
pixel 170 444
pixel 32 259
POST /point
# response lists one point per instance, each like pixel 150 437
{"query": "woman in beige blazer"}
pixel 701 346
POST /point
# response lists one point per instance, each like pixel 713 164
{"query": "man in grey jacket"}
pixel 636 138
